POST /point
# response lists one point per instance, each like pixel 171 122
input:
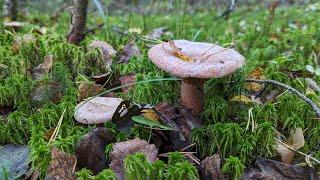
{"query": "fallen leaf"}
pixel 90 150
pixel 122 149
pixel 128 51
pixel 14 161
pixel 150 114
pixel 107 50
pixel 46 91
pixel 167 113
pixel 210 168
pixel 41 69
pixel 49 134
pixel 182 120
pixel 88 89
pixel 255 74
pixel 62 166
pixel 123 114
pixel 274 170
pixel 241 98
pixel 157 33
pixel 150 123
pixel 127 80
pixel 295 140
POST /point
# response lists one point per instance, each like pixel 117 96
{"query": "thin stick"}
pixel 292 149
pixel 294 91
pixel 188 146
pixel 193 158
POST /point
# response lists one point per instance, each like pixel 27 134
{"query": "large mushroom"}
pixel 195 62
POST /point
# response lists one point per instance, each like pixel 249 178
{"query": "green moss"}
pixel 182 171
pixel 137 167
pixel 234 167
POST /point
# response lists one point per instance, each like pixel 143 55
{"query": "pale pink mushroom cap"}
pixel 217 65
pixel 97 110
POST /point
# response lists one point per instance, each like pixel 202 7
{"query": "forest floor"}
pixel 43 78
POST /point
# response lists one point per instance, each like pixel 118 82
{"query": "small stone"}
pixel 90 150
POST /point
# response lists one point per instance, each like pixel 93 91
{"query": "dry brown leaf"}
pixel 150 114
pixel 47 63
pixel 20 41
pixel 127 80
pixel 122 149
pixel 286 154
pixel 87 89
pixel 296 141
pixel 62 165
pixel 256 74
pixel 128 51
pixel 49 134
pixel 241 98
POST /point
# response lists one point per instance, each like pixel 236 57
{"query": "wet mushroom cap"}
pixel 215 66
pixel 97 110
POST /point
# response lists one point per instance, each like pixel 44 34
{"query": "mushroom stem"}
pixel 192 94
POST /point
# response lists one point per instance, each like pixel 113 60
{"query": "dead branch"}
pixel 291 89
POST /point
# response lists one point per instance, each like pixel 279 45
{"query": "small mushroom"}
pixel 97 110
pixel 195 62
pixel 107 50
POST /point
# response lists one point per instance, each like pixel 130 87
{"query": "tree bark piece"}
pixel 78 22
pixel 11 9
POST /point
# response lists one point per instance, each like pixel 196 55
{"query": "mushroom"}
pixel 195 63
pixel 107 50
pixel 97 110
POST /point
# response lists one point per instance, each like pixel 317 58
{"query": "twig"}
pixel 294 91
pixel 292 149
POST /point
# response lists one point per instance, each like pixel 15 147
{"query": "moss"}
pixel 234 167
pixel 137 167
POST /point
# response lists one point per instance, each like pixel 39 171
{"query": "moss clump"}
pixel 138 167
pixel 234 167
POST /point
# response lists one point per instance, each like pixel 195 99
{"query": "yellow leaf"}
pixel 241 98
pixel 49 134
pixel 150 114
pixel 256 74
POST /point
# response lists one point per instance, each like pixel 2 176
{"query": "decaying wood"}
pixel 11 9
pixel 78 22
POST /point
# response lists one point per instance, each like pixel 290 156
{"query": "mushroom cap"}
pixel 107 50
pixel 97 110
pixel 215 66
